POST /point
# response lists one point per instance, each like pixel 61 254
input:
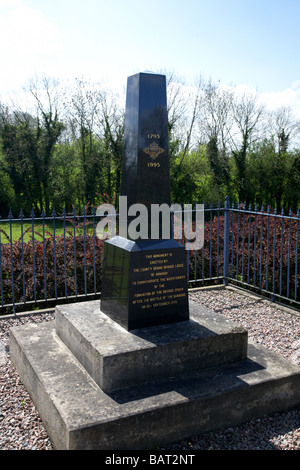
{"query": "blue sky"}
pixel 250 42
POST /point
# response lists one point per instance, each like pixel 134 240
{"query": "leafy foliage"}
pixel 263 252
pixel 51 267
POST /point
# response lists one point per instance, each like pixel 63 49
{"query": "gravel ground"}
pixel 22 429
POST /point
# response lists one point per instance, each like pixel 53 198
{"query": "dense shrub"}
pixel 60 267
pixel 263 252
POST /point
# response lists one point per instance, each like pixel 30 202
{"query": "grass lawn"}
pixel 15 230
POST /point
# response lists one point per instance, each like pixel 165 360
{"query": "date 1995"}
pixel 153 165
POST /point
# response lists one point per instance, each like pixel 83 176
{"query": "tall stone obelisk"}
pixel 145 280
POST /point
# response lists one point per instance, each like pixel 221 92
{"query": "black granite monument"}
pixel 144 280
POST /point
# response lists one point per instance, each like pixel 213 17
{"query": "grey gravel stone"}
pixel 22 429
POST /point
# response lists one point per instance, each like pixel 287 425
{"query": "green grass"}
pixel 16 229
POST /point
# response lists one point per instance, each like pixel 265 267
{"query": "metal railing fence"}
pixel 263 251
pixel 52 259
pixel 48 259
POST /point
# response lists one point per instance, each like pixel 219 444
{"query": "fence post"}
pixel 226 241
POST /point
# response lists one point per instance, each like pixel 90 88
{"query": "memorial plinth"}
pixel 144 283
pixel 116 358
pixel 145 366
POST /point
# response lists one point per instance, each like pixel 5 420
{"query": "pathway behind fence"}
pixel 46 260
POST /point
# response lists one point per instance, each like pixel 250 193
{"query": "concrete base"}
pixel 116 358
pixel 78 414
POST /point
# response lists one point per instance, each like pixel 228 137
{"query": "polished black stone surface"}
pixel 145 171
pixel 144 280
pixel 144 283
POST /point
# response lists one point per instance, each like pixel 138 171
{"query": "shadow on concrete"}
pixel 207 382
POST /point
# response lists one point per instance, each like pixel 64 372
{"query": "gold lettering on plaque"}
pixel 156 285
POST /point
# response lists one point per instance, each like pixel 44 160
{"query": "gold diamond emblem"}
pixel 153 150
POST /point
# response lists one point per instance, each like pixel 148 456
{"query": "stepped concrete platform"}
pixel 199 376
pixel 116 358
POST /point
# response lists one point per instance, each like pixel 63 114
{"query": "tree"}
pixel 19 147
pixel 274 175
pixel 97 127
pixel 28 145
pixel 184 105
pixel 248 114
pixel 216 119
pixel 284 126
pixel 49 128
pixel 218 162
pixel 7 194
pixel 192 180
pixel 292 189
pixel 66 178
pixel 112 118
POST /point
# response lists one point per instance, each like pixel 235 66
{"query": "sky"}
pixel 250 43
